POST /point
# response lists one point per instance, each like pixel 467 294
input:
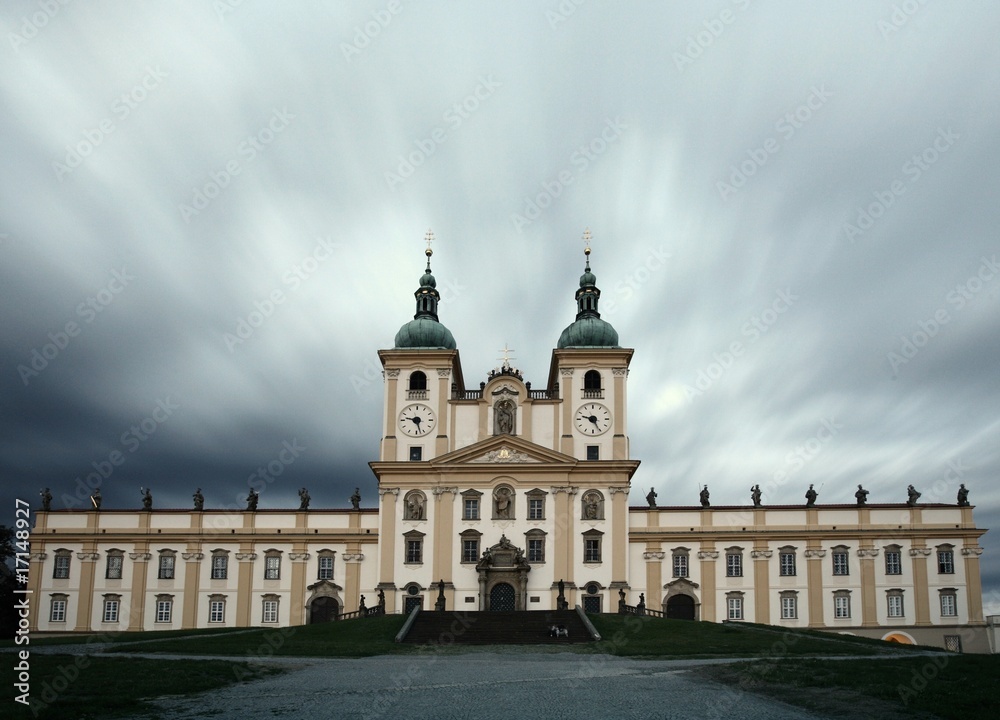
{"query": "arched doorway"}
pixel 323 609
pixel 680 607
pixel 502 598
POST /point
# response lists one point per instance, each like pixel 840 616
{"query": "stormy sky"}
pixel 212 217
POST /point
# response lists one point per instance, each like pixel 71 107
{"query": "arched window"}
pixel 418 386
pixel 592 384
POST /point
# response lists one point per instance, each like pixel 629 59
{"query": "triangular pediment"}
pixel 504 450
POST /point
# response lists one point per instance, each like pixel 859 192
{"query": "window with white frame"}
pixel 325 571
pixel 734 562
pixel 894 599
pixel 61 568
pixel 414 546
pixel 536 549
pixel 116 561
pixel 949 603
pixel 220 565
pixel 470 509
pixel 536 508
pixel 272 565
pixel 893 560
pixel 789 605
pixel 734 606
pixel 841 560
pixel 112 604
pixel 164 608
pixel 842 604
pixel 57 608
pixel 946 560
pixel 269 610
pixel 680 562
pixel 592 546
pixel 470 550
pixel 168 561
pixel 217 608
pixel 786 561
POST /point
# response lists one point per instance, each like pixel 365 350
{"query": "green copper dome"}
pixel 588 330
pixel 425 332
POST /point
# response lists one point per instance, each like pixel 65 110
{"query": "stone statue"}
pixel 304 499
pixel 199 500
pixel 502 499
pixel 911 495
pixel 862 496
pixel 621 599
pixel 95 499
pixel 381 598
pixel 755 495
pixel 703 496
pixel 147 499
pixel 252 500
pixel 651 498
pixel 47 499
pixel 591 506
pixel 641 607
pixel 415 508
pixel 361 606
pixel 356 499
pixel 963 496
pixel 440 604
pixel 504 417
pixel 811 496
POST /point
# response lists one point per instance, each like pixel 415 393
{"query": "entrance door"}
pixel 323 609
pixel 412 601
pixel 680 607
pixel 502 597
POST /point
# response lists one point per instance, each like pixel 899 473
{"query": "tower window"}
pixel 416 454
pixel 592 384
pixel 418 386
pixel 593 452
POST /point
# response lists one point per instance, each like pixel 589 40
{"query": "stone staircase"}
pixel 496 628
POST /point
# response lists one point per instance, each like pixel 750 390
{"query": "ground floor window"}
pixel 841 606
pixel 734 607
pixel 789 607
pixel 111 607
pixel 270 610
pixel 57 610
pixel 164 610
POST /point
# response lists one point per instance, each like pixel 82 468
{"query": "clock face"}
pixel 593 419
pixel 416 420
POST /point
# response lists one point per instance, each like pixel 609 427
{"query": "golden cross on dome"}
pixel 429 237
pixel 506 355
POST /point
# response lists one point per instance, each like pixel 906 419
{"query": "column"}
pixel 814 555
pixel 299 559
pixel 761 557
pixel 918 560
pixel 443 536
pixel 192 585
pixel 654 556
pixel 708 555
pixel 568 393
pixel 244 584
pixel 619 534
pixel 973 584
pixel 389 441
pixel 140 573
pixel 85 604
pixel 444 391
pixel 869 606
pixel 619 447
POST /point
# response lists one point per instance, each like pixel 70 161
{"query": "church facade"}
pixel 507 497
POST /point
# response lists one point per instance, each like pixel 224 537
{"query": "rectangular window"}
pixel 57 613
pixel 735 608
pixel 536 550
pixel 166 567
pixel 325 567
pixel 114 569
pixel 840 566
pixel 414 551
pixel 61 569
pixel 680 565
pixel 217 611
pixel 893 562
pixel 220 567
pixel 471 511
pixel 111 611
pixel 593 452
pixel 946 562
pixel 841 606
pixel 734 564
pixel 789 607
pixel 416 454
pixel 536 507
pixel 270 611
pixel 163 609
pixel 592 550
pixel 895 606
pixel 787 563
pixel 949 607
pixel 272 567
pixel 470 551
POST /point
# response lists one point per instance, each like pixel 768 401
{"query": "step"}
pixel 497 628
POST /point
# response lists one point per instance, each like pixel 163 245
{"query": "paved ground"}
pixel 487 685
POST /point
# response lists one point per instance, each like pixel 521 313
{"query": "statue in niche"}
pixel 963 496
pixel 199 500
pixel 651 497
pixel 591 506
pixel 504 418
pixel 703 497
pixel 356 499
pixel 304 499
pixel 862 496
pixel 811 496
pixel 47 499
pixel 502 500
pixel 252 500
pixel 415 507
pixel 755 495
pixel 147 499
pixel 912 495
